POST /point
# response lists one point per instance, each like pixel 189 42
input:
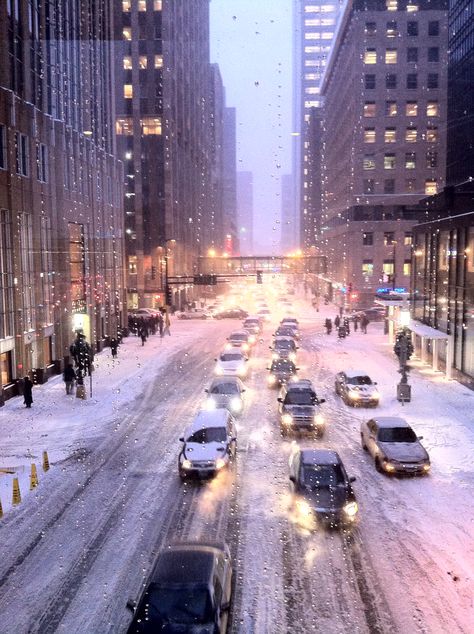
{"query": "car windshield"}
pixel 224 388
pixel 208 434
pixel 397 434
pixel 231 357
pixel 283 366
pixel 359 380
pixel 239 337
pixel 285 345
pixel 317 476
pixel 180 605
pixel 300 397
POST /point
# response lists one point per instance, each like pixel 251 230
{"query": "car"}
pixel 189 590
pixel 356 388
pixel 394 446
pixel 372 314
pixel 209 444
pixel 145 312
pixel 231 313
pixel 226 392
pixel 284 348
pixel 281 371
pixel 321 489
pixel 231 362
pixel 299 409
pixel 289 321
pixel 197 313
pixel 287 330
pixel 240 339
pixel 265 313
pixel 253 325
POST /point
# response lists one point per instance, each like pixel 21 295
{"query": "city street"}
pixel 82 544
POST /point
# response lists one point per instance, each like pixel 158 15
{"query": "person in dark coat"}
pixel 27 391
pixel 356 322
pixel 143 335
pixel 337 321
pixel 160 324
pixel 69 376
pixel 114 347
pixel 364 322
pixel 328 325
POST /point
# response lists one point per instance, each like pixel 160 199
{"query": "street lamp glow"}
pixel 404 318
pixel 211 253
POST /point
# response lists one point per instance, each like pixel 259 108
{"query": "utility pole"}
pixel 403 349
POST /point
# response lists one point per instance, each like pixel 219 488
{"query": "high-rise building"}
pixel 231 237
pixel 61 186
pixel 245 212
pixel 384 144
pixel 288 226
pixel 213 237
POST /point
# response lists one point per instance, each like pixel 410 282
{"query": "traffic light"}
pixel 169 295
pixel 259 277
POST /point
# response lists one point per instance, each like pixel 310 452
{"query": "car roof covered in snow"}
pixel 353 373
pixel 390 421
pixel 209 418
pixel 319 456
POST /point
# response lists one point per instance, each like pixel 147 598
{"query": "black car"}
pixel 189 591
pixel 287 330
pixel 321 488
pixel 281 371
pixel 299 409
pixel 231 313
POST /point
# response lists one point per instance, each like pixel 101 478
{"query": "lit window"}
pixel 128 91
pixel 142 61
pixel 311 76
pixel 392 29
pixel 411 109
pixel 124 126
pixel 367 268
pixel 407 267
pixel 142 5
pixel 430 187
pixel 328 22
pixel 327 8
pixel 370 56
pixel 311 8
pixel 388 267
pixel 327 35
pixel 312 90
pixel 389 238
pixel 408 239
pixel 312 36
pixel 432 109
pixel 391 56
pixel 410 160
pixel 411 135
pixel 369 162
pixel 390 135
pixel 369 109
pixel 133 264
pixel 391 108
pixel 312 22
pixel 369 135
pixel 158 61
pixel 126 6
pixel 157 5
pixel 312 104
pixel 312 49
pixel 311 63
pixel 389 161
pixel 432 135
pixel 150 125
pixel 411 7
pixel 127 62
pixel 392 5
pixel 127 33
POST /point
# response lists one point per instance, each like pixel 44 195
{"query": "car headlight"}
pixel 245 346
pixel 319 419
pixel 228 346
pixel 210 403
pixel 287 419
pixel 252 339
pixel 303 507
pixel 426 467
pixel 275 356
pixel 294 378
pixel 388 466
pixel 218 370
pixel 350 509
pixel 220 463
pixel 354 394
pixel 235 404
pixel 271 378
pixel 376 396
pixel 186 464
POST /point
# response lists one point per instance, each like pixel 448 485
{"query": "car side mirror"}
pixel 420 437
pixel 279 399
pixel 321 400
pixel 233 439
pixel 298 369
pixel 375 383
pixel 244 390
pixel 206 390
pixel 246 359
pixel 131 605
pixel 352 479
pixel 181 439
pixel 292 478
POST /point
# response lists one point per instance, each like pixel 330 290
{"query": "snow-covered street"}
pixel 81 545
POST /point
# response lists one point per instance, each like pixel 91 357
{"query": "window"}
pixel 433 27
pixel 367 267
pixel 369 135
pixel 390 135
pixel 410 160
pixel 430 186
pixel 392 5
pixel 142 61
pixel 124 126
pixel 388 238
pixel 22 154
pixel 3 147
pixel 368 238
pixel 411 109
pixel 127 62
pixel 127 33
pixel 389 161
pixel 370 28
pixel 391 108
pixel 42 162
pixel 369 162
pixel 432 109
pixel 157 5
pixel 369 82
pixel 390 80
pixel 411 135
pixel 158 61
pixel 388 267
pixel 369 109
pixel 431 159
pixel 412 29
pixel 369 186
pixel 150 126
pixel 408 239
pixel 410 185
pixel 411 7
pixel 432 134
pixel 432 80
pixel 433 54
pixel 142 5
pixel 370 56
pixel 412 54
pixel 391 56
pixel 412 81
pixel 392 29
pixel 407 267
pixel 128 91
pixel 126 6
pixel 389 186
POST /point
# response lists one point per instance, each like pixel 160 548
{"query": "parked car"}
pixel 356 388
pixel 209 444
pixel 190 590
pixel 231 363
pixel 197 313
pixel 226 392
pixel 231 313
pixel 299 409
pixel 394 446
pixel 281 371
pixel 322 490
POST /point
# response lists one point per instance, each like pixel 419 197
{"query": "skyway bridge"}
pixel 236 266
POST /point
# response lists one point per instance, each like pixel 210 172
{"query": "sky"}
pixel 251 40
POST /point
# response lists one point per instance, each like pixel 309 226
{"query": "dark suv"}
pixel 189 591
pixel 299 409
pixel 321 488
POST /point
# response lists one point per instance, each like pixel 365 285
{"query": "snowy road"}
pixel 80 546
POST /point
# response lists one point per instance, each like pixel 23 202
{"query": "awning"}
pixel 422 330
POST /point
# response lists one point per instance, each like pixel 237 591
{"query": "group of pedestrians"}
pixel 342 324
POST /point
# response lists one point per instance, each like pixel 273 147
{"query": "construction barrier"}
pixel 33 477
pixel 45 461
pixel 16 498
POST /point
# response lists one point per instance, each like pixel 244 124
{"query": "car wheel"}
pixel 378 466
pixel 364 446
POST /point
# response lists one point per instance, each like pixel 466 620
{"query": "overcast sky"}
pixel 251 40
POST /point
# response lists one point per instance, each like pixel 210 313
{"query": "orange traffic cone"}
pixel 45 461
pixel 16 499
pixel 33 477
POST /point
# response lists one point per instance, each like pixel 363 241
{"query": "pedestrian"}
pixel 341 310
pixel 328 325
pixel 341 332
pixel 337 321
pixel 143 335
pixel 364 322
pixel 114 347
pixel 356 322
pixel 27 391
pixel 160 325
pixel 69 376
pixel 166 330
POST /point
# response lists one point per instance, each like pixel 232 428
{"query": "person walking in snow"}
pixel 69 376
pixel 328 325
pixel 27 391
pixel 364 322
pixel 337 321
pixel 167 324
pixel 143 336
pixel 114 347
pixel 356 322
pixel 160 325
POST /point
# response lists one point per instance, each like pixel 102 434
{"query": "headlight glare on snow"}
pixel 303 507
pixel 287 419
pixel 211 403
pixel 220 463
pixel 219 371
pixel 319 419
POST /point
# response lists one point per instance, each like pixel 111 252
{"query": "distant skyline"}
pixel 252 43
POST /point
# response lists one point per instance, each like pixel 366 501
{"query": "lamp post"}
pixel 394 264
pixel 167 286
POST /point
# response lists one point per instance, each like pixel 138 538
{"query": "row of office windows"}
pixel 149 126
pixel 369 162
pixel 412 28
pixel 388 238
pixel 388 267
pixel 22 155
pixel 325 35
pixel 142 35
pixel 411 135
pixel 389 186
pixel 155 5
pixel 319 8
pixel 320 22
pixel 391 81
pixel 391 55
pixel 411 109
pixel 143 62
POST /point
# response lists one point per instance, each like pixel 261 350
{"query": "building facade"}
pixel 231 236
pixel 61 209
pixel 384 141
pixel 245 212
